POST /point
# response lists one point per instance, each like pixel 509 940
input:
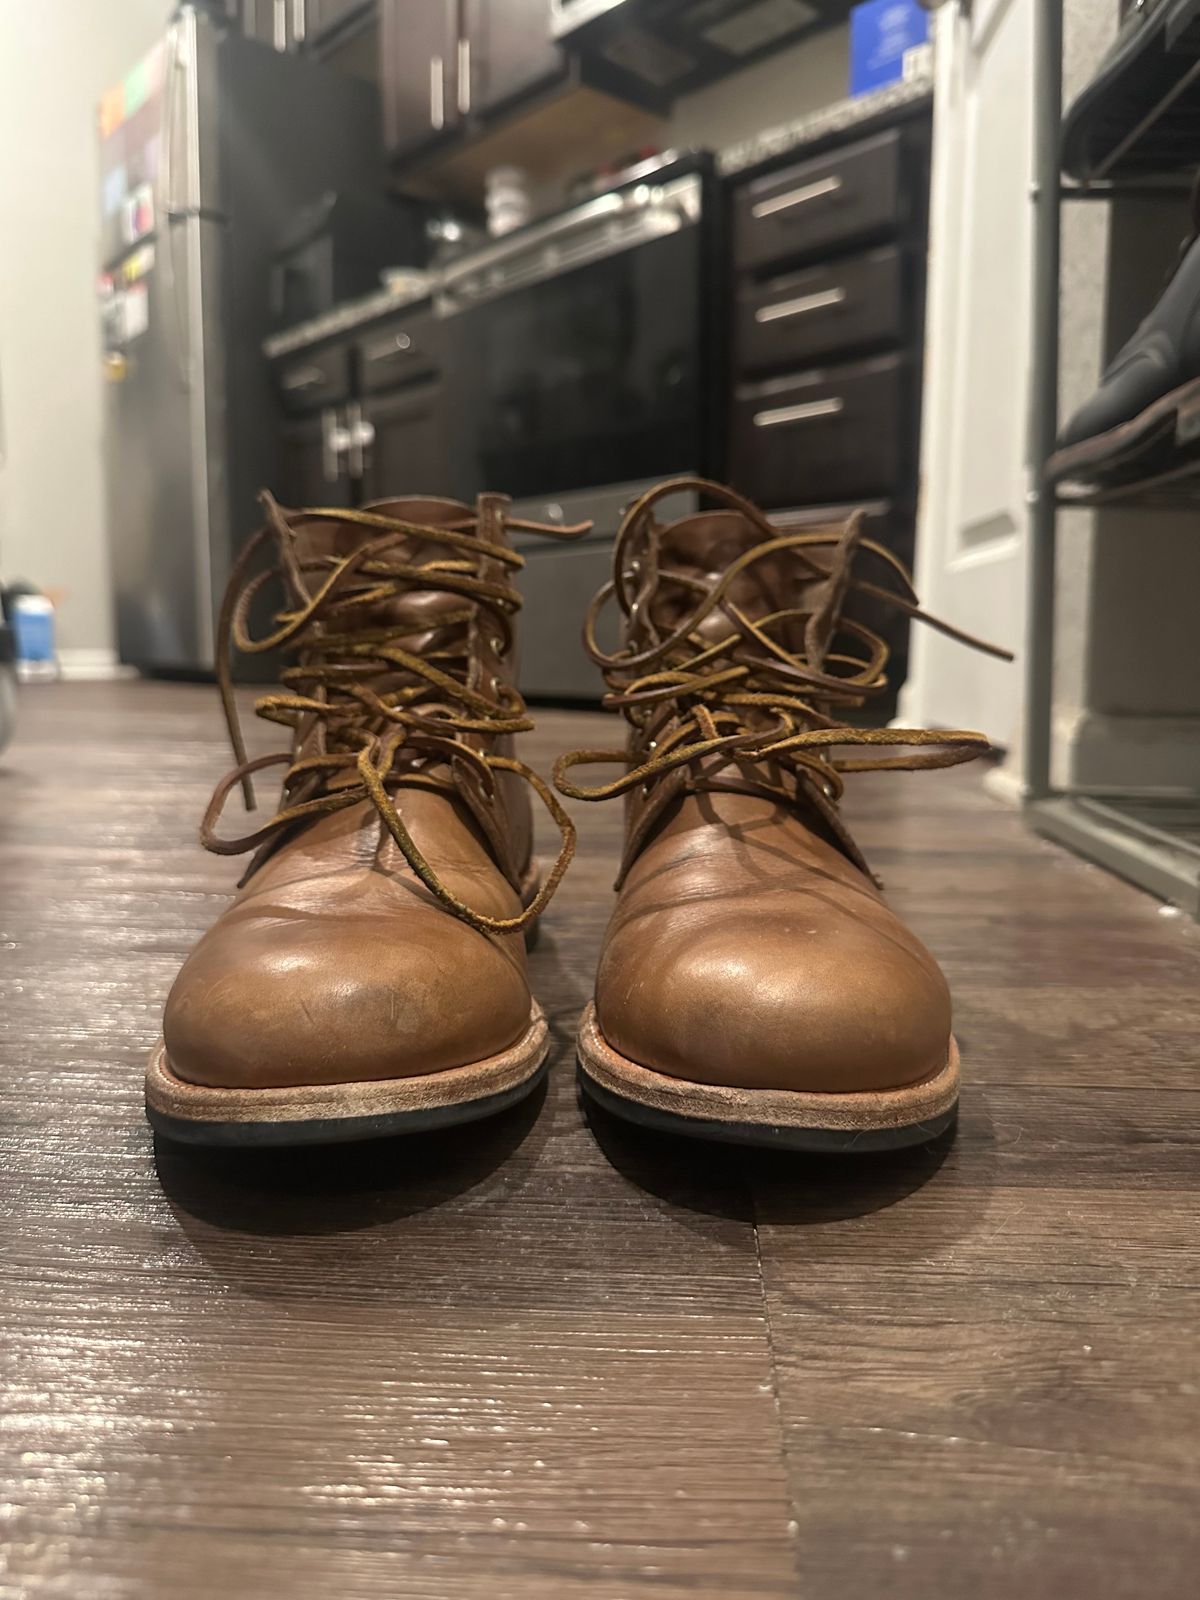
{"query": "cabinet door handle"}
pixel 437 93
pixel 464 76
pixel 796 197
pixel 334 440
pixel 798 306
pixel 281 38
pixel 299 20
pixel 801 413
pixel 360 436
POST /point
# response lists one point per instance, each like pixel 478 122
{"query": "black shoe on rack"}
pixel 1145 415
pixel 1141 112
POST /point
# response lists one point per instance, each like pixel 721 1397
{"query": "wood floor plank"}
pixel 542 1358
pixel 492 1363
pixel 989 1351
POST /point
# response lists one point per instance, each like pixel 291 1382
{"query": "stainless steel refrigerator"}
pixel 208 147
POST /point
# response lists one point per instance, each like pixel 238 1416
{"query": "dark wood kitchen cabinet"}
pixel 419 60
pixel 409 448
pixel 367 415
pixel 310 473
pixel 446 63
pixel 509 49
pixel 265 20
pixel 828 257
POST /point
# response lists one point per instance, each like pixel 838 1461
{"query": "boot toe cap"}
pixel 307 1003
pixel 853 1008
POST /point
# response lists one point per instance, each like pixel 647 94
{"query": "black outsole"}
pixel 337 1130
pixel 771 1136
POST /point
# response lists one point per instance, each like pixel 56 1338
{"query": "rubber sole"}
pixel 338 1113
pixel 784 1119
pixel 1133 449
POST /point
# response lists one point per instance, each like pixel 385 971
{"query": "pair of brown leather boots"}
pixel 370 976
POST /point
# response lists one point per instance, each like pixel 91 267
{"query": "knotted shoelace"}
pixel 373 715
pixel 749 695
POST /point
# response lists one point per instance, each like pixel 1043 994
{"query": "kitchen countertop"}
pixel 351 314
pixel 843 116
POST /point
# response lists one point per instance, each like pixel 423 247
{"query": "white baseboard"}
pixel 1096 753
pixel 1004 783
pixel 90 666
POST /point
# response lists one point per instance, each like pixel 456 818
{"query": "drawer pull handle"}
pixel 797 307
pixel 803 413
pixel 797 197
pixel 304 378
pixel 399 344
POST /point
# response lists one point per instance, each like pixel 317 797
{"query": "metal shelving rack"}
pixel 1154 844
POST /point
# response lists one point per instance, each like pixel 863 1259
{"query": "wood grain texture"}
pixel 535 1358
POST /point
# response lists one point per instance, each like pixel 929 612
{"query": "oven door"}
pixel 579 357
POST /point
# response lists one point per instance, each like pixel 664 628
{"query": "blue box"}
pixel 881 34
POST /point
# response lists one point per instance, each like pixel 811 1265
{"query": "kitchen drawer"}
pixel 400 351
pixel 840 433
pixel 558 583
pixel 308 381
pixel 853 304
pixel 822 205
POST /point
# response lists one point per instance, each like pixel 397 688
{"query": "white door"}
pixel 971 533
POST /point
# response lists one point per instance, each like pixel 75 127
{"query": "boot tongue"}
pixel 424 622
pixel 702 548
pixel 412 609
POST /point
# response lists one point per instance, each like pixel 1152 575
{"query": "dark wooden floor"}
pixel 537 1360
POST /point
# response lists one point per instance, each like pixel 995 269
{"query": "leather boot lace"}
pixel 756 697
pixel 369 715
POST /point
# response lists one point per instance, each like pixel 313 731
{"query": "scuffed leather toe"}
pixel 304 1001
pixel 744 969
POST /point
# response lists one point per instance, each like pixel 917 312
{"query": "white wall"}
pixel 56 59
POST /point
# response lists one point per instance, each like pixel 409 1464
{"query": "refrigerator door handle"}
pixel 169 213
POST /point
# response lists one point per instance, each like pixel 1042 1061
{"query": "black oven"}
pixel 583 345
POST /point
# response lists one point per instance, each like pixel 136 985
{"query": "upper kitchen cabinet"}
pixel 421 45
pixel 268 21
pixel 447 63
pixel 469 85
pixel 510 50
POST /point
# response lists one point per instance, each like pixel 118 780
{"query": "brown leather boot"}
pixel 370 976
pixel 753 984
